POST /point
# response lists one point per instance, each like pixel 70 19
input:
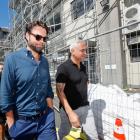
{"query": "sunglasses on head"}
pixel 39 37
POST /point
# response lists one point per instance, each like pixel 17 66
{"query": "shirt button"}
pixel 38 84
pixel 37 94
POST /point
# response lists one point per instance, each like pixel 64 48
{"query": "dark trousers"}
pixel 2 118
pixel 39 129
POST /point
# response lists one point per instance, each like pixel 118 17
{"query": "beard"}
pixel 37 49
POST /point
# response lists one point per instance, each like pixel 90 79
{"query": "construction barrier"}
pixel 111 102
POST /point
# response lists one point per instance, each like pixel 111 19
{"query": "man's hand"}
pixel 10 118
pixel 50 102
pixel 74 119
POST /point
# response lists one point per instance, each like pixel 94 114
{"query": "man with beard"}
pixel 26 92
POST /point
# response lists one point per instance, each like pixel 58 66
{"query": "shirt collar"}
pixel 28 52
pixel 74 63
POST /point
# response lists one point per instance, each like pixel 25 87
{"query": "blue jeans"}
pixel 41 129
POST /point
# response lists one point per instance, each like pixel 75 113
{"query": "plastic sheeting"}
pixel 111 102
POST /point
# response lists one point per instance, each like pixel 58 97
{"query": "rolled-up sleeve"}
pixel 61 75
pixel 7 84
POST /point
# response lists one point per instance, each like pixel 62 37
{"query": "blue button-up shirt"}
pixel 25 83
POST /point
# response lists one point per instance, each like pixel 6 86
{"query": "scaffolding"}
pixel 113 45
pixel 107 61
pixel 4 45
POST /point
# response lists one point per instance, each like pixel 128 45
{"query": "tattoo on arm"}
pixel 60 87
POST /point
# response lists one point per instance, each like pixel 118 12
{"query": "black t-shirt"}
pixel 75 83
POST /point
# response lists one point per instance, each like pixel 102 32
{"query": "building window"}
pixel 55 23
pixel 129 3
pixel 3 35
pixel 135 52
pixel 133 42
pixel 51 21
pixel 89 4
pixel 79 7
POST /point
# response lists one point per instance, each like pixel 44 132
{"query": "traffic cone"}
pixel 118 130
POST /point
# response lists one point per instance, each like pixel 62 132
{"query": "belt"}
pixel 31 118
